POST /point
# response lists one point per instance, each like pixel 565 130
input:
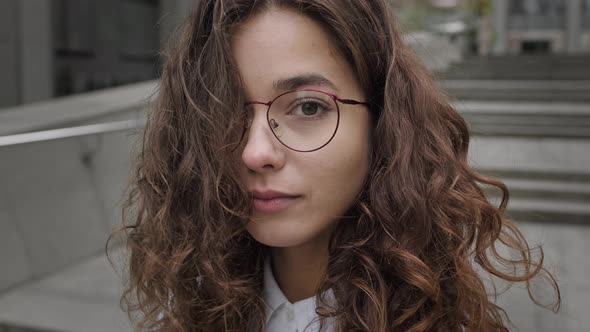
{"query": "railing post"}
pixel 500 13
pixel 574 25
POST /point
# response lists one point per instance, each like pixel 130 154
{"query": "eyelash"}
pixel 321 105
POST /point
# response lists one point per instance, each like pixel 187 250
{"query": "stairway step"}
pixel 522 67
pixel 531 108
pixel 560 176
pixel 520 90
pixel 546 189
pixel 549 211
pixel 560 85
pixel 549 206
pixel 13 328
pixel 535 119
pixel 549 185
pixel 528 131
pixel 542 196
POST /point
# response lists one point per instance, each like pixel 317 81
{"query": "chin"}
pixel 276 234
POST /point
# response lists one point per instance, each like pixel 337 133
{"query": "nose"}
pixel 262 152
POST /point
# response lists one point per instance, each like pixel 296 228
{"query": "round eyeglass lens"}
pixel 304 120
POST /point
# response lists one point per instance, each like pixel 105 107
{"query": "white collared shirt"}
pixel 284 316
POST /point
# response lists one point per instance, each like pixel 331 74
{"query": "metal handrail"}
pixel 54 134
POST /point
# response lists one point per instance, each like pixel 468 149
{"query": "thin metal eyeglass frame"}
pixel 333 96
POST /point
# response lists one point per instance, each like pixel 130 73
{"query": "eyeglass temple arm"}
pixel 352 102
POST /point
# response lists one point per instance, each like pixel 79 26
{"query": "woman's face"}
pixel 281 45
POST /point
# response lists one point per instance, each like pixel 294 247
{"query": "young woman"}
pixel 300 171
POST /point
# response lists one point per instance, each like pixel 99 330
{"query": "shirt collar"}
pixel 272 294
pixel 274 297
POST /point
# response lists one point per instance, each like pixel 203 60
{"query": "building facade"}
pixel 61 47
pixel 541 26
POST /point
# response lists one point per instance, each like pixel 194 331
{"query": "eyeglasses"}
pixel 303 120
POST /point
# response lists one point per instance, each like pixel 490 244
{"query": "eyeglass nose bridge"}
pixel 249 120
pixel 268 103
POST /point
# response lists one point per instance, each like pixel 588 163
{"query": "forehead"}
pixel 279 45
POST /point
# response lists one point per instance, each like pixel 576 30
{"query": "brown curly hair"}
pixel 425 235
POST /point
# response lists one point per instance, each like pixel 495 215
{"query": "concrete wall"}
pixel 59 202
pixel 59 198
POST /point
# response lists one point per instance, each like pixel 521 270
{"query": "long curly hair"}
pixel 425 237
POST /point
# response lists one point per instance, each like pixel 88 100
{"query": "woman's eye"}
pixel 309 109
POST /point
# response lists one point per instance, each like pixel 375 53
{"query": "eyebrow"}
pixel 295 82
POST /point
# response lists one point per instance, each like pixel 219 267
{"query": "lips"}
pixel 270 194
pixel 271 201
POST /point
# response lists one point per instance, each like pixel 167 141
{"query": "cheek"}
pixel 341 167
pixel 350 149
pixel 347 173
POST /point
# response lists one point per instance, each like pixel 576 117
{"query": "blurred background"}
pixel 76 77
